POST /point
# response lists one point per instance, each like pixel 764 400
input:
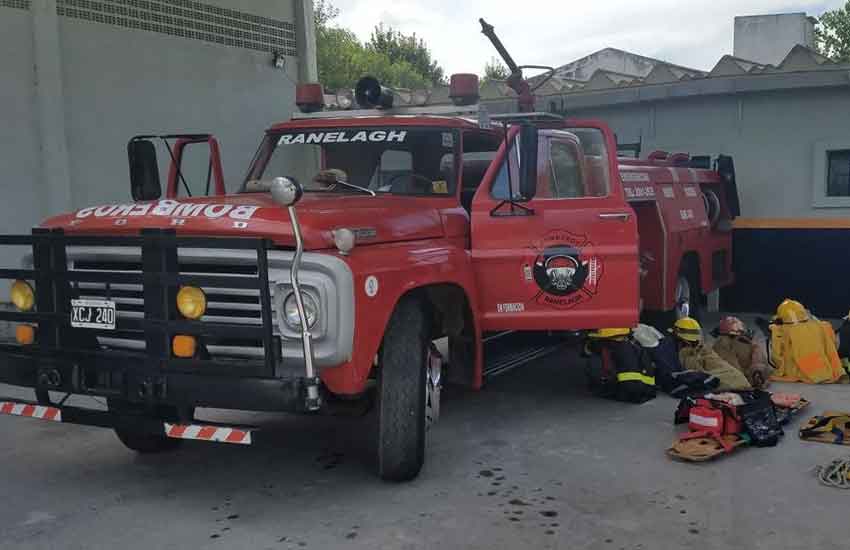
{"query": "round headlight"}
pixel 290 311
pixel 22 295
pixel 191 302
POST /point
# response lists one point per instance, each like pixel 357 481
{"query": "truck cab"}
pixel 357 239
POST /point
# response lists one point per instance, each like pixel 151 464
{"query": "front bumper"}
pixel 126 378
pixel 70 360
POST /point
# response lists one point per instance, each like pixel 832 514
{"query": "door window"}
pixel 594 154
pixel 506 185
pixel 566 177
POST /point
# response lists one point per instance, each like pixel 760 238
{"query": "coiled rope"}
pixel 835 474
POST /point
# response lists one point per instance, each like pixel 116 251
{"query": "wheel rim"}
pixel 433 387
pixel 683 298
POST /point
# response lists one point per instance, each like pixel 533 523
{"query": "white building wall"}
pixel 74 90
pixel 19 143
pixel 769 38
pixel 161 84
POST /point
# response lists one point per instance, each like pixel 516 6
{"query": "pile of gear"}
pixel 738 411
pixel 722 386
pixel 632 364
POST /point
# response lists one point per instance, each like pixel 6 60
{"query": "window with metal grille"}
pixel 187 19
pixel 838 173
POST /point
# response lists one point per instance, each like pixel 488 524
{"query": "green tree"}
pixel 401 48
pixel 340 57
pixel 833 34
pixel 393 58
pixel 323 13
pixel 495 70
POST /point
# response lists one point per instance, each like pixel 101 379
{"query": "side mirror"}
pixel 144 170
pixel 528 141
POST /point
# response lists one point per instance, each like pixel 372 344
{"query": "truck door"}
pixel 195 170
pixel 568 258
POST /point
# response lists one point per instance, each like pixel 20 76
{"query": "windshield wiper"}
pixel 355 187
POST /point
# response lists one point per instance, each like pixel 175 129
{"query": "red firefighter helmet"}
pixel 732 326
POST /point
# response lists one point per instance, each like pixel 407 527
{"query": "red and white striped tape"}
pixel 208 433
pixel 31 411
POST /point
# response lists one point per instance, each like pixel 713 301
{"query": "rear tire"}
pixel 402 393
pixel 688 304
pixel 688 298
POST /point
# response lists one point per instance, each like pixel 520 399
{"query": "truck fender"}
pixel 372 315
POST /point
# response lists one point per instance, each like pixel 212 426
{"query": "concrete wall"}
pixel 75 90
pixel 769 38
pixel 121 82
pixel 161 84
pixel 19 142
pixel 112 83
pixel 772 137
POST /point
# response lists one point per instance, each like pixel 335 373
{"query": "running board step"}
pixel 507 351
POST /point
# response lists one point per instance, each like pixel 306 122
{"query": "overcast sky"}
pixel 694 33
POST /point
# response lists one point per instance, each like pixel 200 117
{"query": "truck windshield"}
pixel 396 160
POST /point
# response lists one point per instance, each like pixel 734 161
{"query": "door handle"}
pixel 624 216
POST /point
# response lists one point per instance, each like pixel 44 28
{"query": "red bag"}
pixel 713 419
pixel 706 419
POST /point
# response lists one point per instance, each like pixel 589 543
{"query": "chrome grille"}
pixel 236 306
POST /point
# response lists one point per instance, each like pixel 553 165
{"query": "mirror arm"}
pixel 524 210
pixel 209 177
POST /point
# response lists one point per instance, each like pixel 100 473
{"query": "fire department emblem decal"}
pixel 565 270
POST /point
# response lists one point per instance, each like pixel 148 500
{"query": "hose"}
pixel 835 474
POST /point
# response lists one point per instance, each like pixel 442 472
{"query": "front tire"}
pixel 138 440
pixel 144 443
pixel 402 380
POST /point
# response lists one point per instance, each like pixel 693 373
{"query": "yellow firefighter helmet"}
pixel 609 333
pixel 688 329
pixel 792 311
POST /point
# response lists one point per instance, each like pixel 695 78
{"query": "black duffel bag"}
pixel 759 417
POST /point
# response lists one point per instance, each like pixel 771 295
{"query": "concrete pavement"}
pixel 533 461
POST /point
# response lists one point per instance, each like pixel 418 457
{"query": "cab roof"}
pixel 344 121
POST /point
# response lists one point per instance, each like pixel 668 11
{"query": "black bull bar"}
pixel 68 359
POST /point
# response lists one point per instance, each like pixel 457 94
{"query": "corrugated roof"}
pixel 799 59
pixel 648 61
pixel 663 75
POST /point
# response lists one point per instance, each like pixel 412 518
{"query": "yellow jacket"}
pixel 804 352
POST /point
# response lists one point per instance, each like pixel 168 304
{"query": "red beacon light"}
pixel 463 89
pixel 310 98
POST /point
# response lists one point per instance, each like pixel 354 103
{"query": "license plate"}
pixel 93 314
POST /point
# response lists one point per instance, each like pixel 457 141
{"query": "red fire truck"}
pixel 357 239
